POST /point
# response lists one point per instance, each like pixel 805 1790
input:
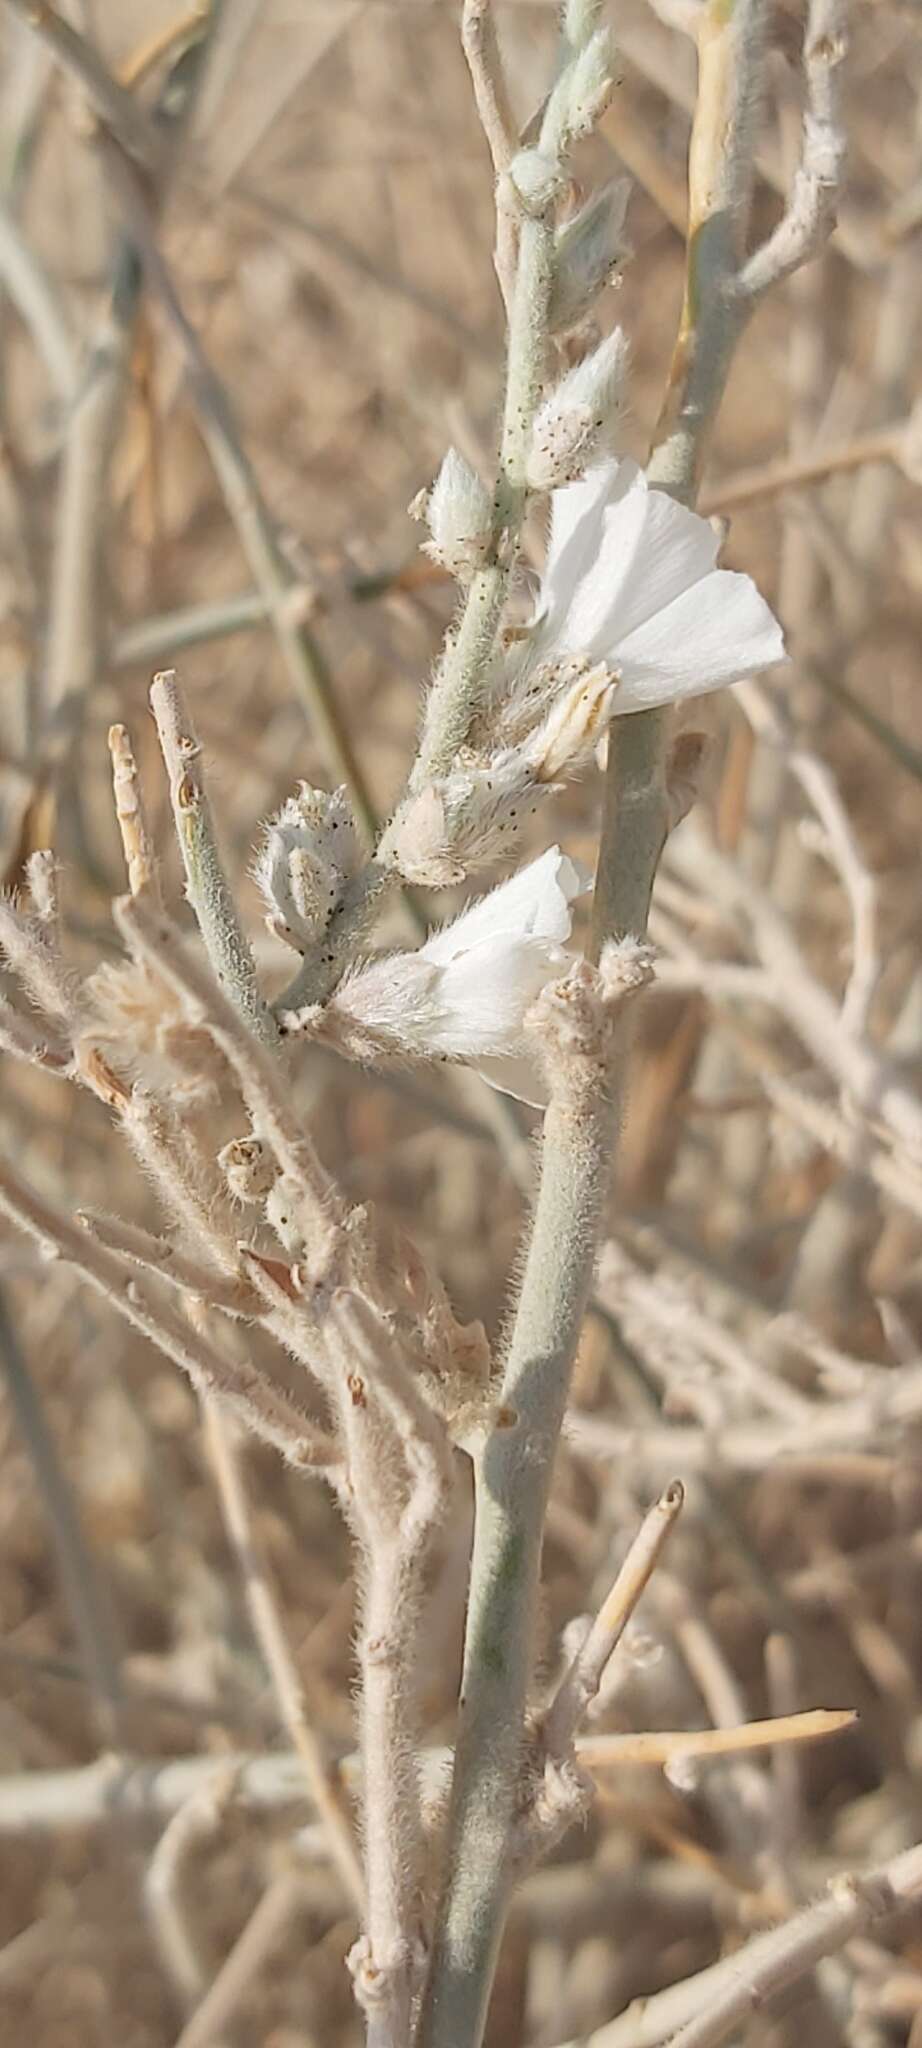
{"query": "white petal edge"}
pixel 534 903
pixel 714 634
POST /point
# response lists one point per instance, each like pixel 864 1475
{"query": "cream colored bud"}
pixel 459 513
pixel 576 423
pixel 537 180
pixel 588 250
pixel 569 734
pixel 309 852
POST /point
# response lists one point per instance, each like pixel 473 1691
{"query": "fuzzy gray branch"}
pixel 206 883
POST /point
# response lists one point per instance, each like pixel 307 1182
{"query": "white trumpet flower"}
pixel 465 994
pixel 631 581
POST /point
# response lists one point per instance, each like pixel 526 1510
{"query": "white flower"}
pixel 630 580
pixel 493 961
pixel 465 994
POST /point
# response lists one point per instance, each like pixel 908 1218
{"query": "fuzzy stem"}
pixel 266 1409
pixel 462 676
pixel 513 1474
pixel 465 666
pixel 206 883
pixel 396 1536
pixel 512 1480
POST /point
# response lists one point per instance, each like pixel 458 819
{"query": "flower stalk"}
pixel 580 1132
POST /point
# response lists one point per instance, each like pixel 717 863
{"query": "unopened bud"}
pixel 592 83
pixel 249 1170
pixel 308 855
pixel 581 94
pixel 574 426
pixel 537 179
pixel 568 736
pixel 466 820
pixel 588 250
pixel 459 514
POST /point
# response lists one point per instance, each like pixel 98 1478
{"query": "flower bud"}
pixel 580 20
pixel 588 250
pixel 574 425
pixel 581 94
pixel 592 83
pixel 466 820
pixel 308 855
pixel 248 1168
pixel 568 736
pixel 459 514
pixel 537 178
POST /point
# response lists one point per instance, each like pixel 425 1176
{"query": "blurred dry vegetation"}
pixel 329 232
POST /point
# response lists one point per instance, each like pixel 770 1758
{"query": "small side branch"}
pixel 809 216
pixel 129 814
pixel 206 883
pixel 581 1682
pixel 478 37
pixel 264 1408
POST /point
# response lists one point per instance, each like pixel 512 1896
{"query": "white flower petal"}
pixel 467 991
pixel 631 581
pixel 575 538
pixel 674 549
pixel 715 633
pixel 483 995
pixel 535 903
pixel 648 550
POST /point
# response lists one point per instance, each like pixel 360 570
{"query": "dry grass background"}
pixel 330 235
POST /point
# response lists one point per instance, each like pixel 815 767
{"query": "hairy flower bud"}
pixel 568 736
pixel 465 820
pixel 581 94
pixel 459 513
pixel 537 179
pixel 248 1168
pixel 588 250
pixel 580 19
pixel 309 853
pixel 574 425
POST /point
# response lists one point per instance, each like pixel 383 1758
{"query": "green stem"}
pixel 207 886
pixel 513 1475
pixel 463 675
pixel 512 1481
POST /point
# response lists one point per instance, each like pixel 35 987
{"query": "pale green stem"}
pixel 513 1475
pixel 512 1479
pixel 207 886
pixel 464 672
pixel 463 675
